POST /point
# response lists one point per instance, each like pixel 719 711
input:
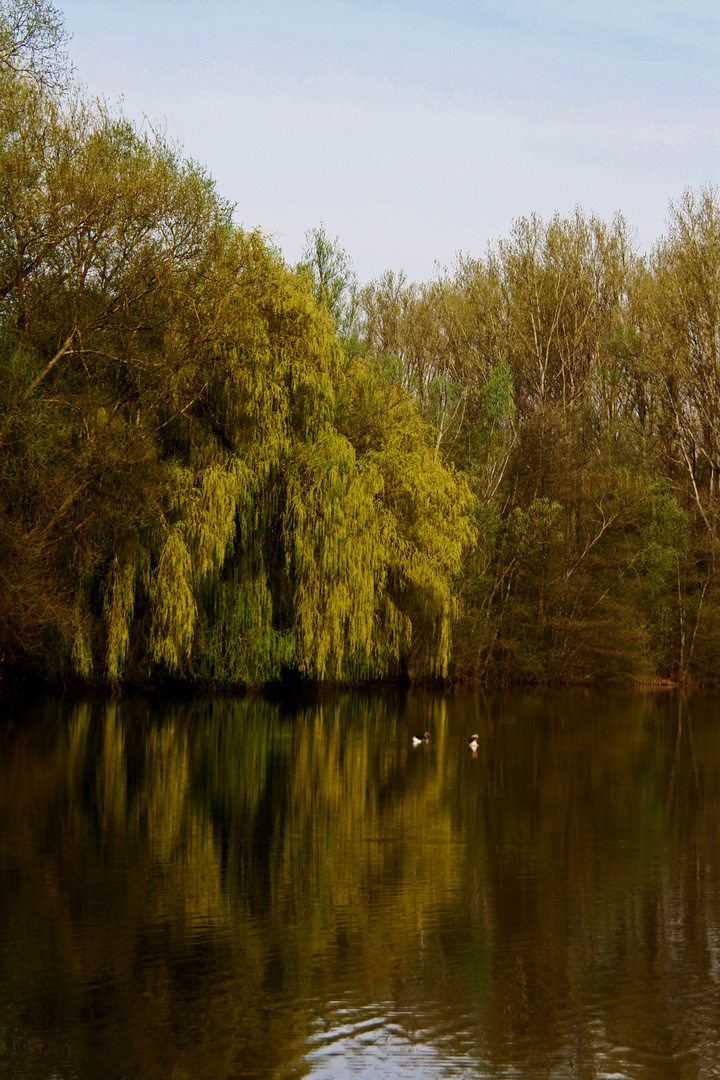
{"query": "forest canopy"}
pixel 218 467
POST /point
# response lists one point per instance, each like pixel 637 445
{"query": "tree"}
pixel 32 42
pixel 332 276
pixel 104 235
pixel 178 493
pixel 682 317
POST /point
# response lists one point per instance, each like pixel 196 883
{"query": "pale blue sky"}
pixel 416 129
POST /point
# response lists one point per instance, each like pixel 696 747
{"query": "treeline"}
pixel 220 468
pixel 576 387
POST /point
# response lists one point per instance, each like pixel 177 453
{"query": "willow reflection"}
pixel 210 879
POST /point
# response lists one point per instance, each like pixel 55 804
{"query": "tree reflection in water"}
pixel 225 888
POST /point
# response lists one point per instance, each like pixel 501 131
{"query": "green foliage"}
pixel 332 277
pixel 665 540
pixel 575 386
pixel 180 490
pixel 32 40
pixel 218 468
pixel 426 523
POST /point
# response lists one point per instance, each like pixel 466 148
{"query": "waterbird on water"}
pixel 473 742
pixel 417 739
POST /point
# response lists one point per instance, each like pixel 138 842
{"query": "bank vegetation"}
pixel 223 469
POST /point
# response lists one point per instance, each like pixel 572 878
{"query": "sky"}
pixel 415 130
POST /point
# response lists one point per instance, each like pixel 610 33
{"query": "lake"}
pixel 237 888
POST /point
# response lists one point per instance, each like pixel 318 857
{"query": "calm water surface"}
pixel 234 889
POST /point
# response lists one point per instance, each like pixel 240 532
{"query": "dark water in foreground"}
pixel 225 889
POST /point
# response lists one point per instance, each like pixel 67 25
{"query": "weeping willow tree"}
pixel 348 531
pixel 187 481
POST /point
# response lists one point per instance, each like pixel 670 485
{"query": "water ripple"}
pixel 390 1044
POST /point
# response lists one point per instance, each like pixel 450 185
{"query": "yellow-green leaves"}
pixel 119 609
pixel 334 545
pixel 423 508
pixel 682 323
pixel 174 607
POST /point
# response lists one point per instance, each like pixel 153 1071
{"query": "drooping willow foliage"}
pixel 219 468
pixel 194 479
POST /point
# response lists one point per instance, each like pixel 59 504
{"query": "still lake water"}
pixel 220 889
